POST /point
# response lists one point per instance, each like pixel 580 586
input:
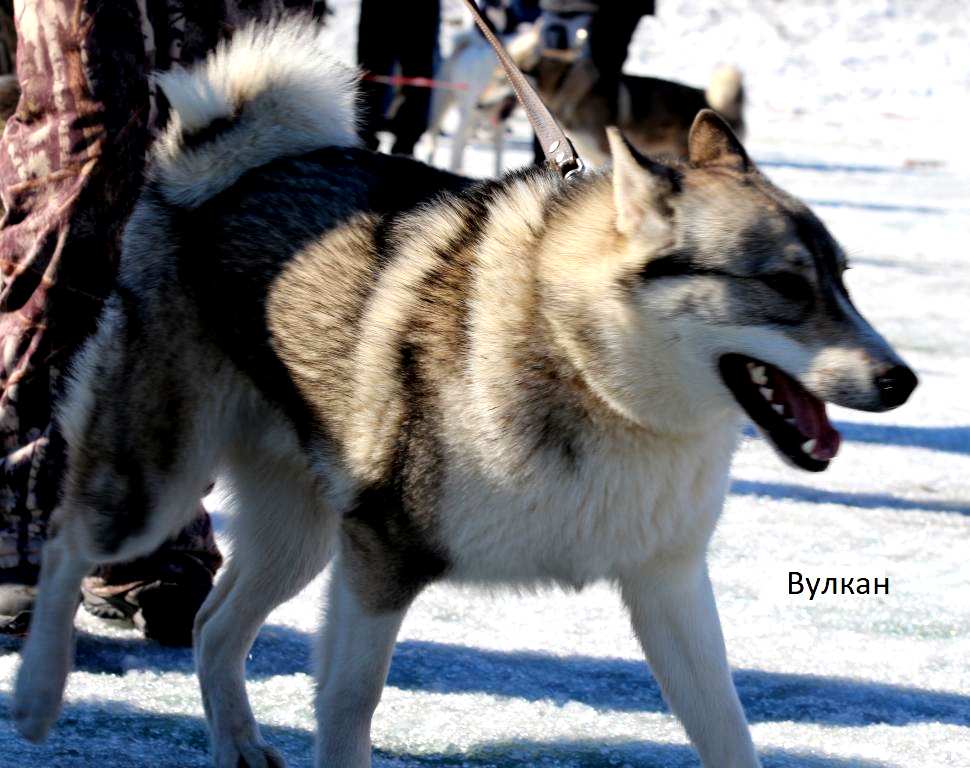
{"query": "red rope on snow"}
pixel 417 82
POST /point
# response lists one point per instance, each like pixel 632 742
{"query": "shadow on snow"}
pixel 845 498
pixel 627 685
pixel 119 736
pixel 601 683
pixel 946 439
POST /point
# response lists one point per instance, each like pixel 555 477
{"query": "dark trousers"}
pixel 397 37
pixel 610 34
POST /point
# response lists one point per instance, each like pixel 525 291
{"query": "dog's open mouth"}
pixel 793 419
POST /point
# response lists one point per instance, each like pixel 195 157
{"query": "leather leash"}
pixel 559 151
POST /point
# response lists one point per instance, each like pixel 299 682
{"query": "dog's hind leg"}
pixel 85 536
pixel 46 656
pixel 141 444
pixel 282 536
pixel 674 615
pixel 354 656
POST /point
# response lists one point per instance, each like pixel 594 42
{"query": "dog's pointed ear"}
pixel 713 143
pixel 639 186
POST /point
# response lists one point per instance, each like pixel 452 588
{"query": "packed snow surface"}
pixel 861 109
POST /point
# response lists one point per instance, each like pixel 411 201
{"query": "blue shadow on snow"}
pixel 113 735
pixel 946 439
pixel 627 685
pixel 605 684
pixel 845 498
pixel 858 205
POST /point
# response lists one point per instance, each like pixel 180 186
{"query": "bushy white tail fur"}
pixel 272 91
pixel 725 92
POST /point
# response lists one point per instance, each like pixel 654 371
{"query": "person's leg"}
pixel 610 34
pixel 161 593
pixel 8 41
pixel 521 12
pixel 377 43
pixel 70 161
pixel 30 471
pixel 418 51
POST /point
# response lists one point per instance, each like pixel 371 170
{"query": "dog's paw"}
pixel 34 710
pixel 252 755
pixel 270 758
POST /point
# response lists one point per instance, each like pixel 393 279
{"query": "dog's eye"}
pixel 789 285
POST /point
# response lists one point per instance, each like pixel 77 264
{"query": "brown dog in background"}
pixel 655 115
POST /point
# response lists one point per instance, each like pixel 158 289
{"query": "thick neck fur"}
pixel 627 360
pixel 556 353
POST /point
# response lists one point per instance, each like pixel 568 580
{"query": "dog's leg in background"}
pixel 674 615
pixel 467 122
pixel 355 654
pixel 47 654
pixel 441 101
pixel 282 538
pixel 498 139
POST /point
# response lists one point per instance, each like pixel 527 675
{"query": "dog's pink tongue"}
pixel 810 418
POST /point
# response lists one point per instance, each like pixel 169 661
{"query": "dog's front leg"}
pixel 674 615
pixel 354 656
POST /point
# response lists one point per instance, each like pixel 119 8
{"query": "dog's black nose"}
pixel 896 385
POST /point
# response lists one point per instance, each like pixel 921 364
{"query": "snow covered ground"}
pixel 861 108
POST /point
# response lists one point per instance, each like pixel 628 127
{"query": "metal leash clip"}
pixel 569 165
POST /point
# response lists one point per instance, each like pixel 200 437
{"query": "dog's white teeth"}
pixel 766 393
pixel 758 374
pixel 809 445
pixel 778 408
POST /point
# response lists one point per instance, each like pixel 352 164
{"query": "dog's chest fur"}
pixel 621 502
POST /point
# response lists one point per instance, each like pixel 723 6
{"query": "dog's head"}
pixel 564 36
pixel 731 294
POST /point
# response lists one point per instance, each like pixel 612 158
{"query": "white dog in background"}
pixel 479 92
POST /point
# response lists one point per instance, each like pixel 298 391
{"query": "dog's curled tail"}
pixel 271 91
pixel 725 93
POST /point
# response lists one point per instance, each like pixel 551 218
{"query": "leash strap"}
pixel 559 151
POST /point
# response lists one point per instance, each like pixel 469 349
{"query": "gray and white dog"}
pixel 424 377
